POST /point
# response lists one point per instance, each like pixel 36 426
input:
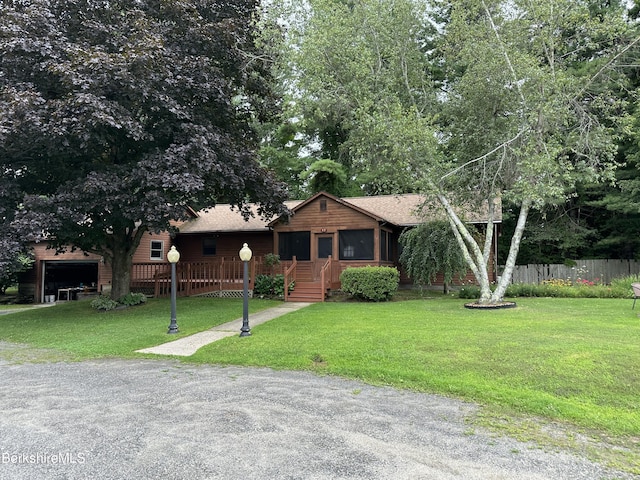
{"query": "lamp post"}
pixel 173 256
pixel 245 256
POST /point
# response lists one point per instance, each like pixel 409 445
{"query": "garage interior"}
pixel 65 280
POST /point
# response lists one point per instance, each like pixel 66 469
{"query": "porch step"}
pixel 307 292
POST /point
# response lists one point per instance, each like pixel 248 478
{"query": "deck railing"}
pixel 192 278
pixel 290 275
pixel 202 277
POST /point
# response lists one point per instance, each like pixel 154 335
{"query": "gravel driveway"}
pixel 152 419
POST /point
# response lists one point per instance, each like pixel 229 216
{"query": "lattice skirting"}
pixel 226 294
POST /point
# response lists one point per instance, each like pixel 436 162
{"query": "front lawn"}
pixel 568 362
pixel 82 332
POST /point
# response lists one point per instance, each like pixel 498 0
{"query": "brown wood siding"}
pixel 335 218
pixel 143 253
pixel 227 245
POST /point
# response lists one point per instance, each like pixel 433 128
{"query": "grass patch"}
pixel 81 332
pixel 568 361
pixel 562 372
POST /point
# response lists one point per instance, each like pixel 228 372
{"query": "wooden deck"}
pixel 192 278
pixel 312 281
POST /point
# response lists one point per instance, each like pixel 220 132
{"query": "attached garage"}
pixel 65 280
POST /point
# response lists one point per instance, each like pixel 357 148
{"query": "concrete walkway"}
pixel 6 311
pixel 187 346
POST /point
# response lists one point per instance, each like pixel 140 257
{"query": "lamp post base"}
pixel 245 331
pixel 173 328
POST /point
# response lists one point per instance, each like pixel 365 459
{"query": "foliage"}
pixel 263 285
pixel 469 292
pixel 430 249
pixel 326 176
pixel 270 286
pixel 562 288
pixel 118 115
pixel 11 268
pixel 508 100
pixel 355 76
pixel 132 299
pixel 105 303
pixel 370 283
pixel 542 118
pixel 271 260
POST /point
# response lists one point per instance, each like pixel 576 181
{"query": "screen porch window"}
pixel 386 246
pixel 383 246
pixel 157 249
pixel 356 245
pixel 296 244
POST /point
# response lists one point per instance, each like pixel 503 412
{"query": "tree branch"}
pixel 482 157
pixel 505 54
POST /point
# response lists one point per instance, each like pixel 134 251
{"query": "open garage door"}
pixel 65 280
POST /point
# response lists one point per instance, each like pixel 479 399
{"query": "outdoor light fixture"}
pixel 245 256
pixel 173 256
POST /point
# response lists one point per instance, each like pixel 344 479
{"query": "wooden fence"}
pixel 598 271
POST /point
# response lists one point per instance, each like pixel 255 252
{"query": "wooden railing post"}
pixel 289 276
pixel 252 275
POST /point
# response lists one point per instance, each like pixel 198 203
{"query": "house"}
pixel 321 237
pixel 74 274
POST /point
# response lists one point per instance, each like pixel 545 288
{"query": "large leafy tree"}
pixel 14 256
pixel 355 76
pixel 600 220
pixel 117 115
pixel 528 118
pixel 524 111
pixel 430 250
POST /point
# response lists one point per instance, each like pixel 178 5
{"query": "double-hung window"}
pixel 157 250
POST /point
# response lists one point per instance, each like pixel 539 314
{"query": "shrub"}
pixel 263 286
pixel 619 288
pixel 103 302
pixel 622 285
pixel 132 299
pixel 370 283
pixel 269 285
pixel 469 292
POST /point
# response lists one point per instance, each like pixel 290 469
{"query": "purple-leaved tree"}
pixel 119 114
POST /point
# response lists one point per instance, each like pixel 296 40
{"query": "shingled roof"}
pixel 399 210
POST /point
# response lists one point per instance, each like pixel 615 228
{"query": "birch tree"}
pixel 470 102
pixel 528 118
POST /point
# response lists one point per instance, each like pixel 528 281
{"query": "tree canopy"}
pixel 466 101
pixel 118 115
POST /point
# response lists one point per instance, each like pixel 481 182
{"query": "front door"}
pixel 325 246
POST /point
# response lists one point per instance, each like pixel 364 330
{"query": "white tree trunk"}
pixel 477 259
pixel 471 251
pixel 505 279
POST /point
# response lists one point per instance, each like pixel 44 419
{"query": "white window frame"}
pixel 159 250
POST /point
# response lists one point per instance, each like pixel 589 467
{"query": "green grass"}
pixel 82 332
pixel 549 362
pixel 565 359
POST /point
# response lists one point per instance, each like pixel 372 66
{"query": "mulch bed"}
pixel 490 306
